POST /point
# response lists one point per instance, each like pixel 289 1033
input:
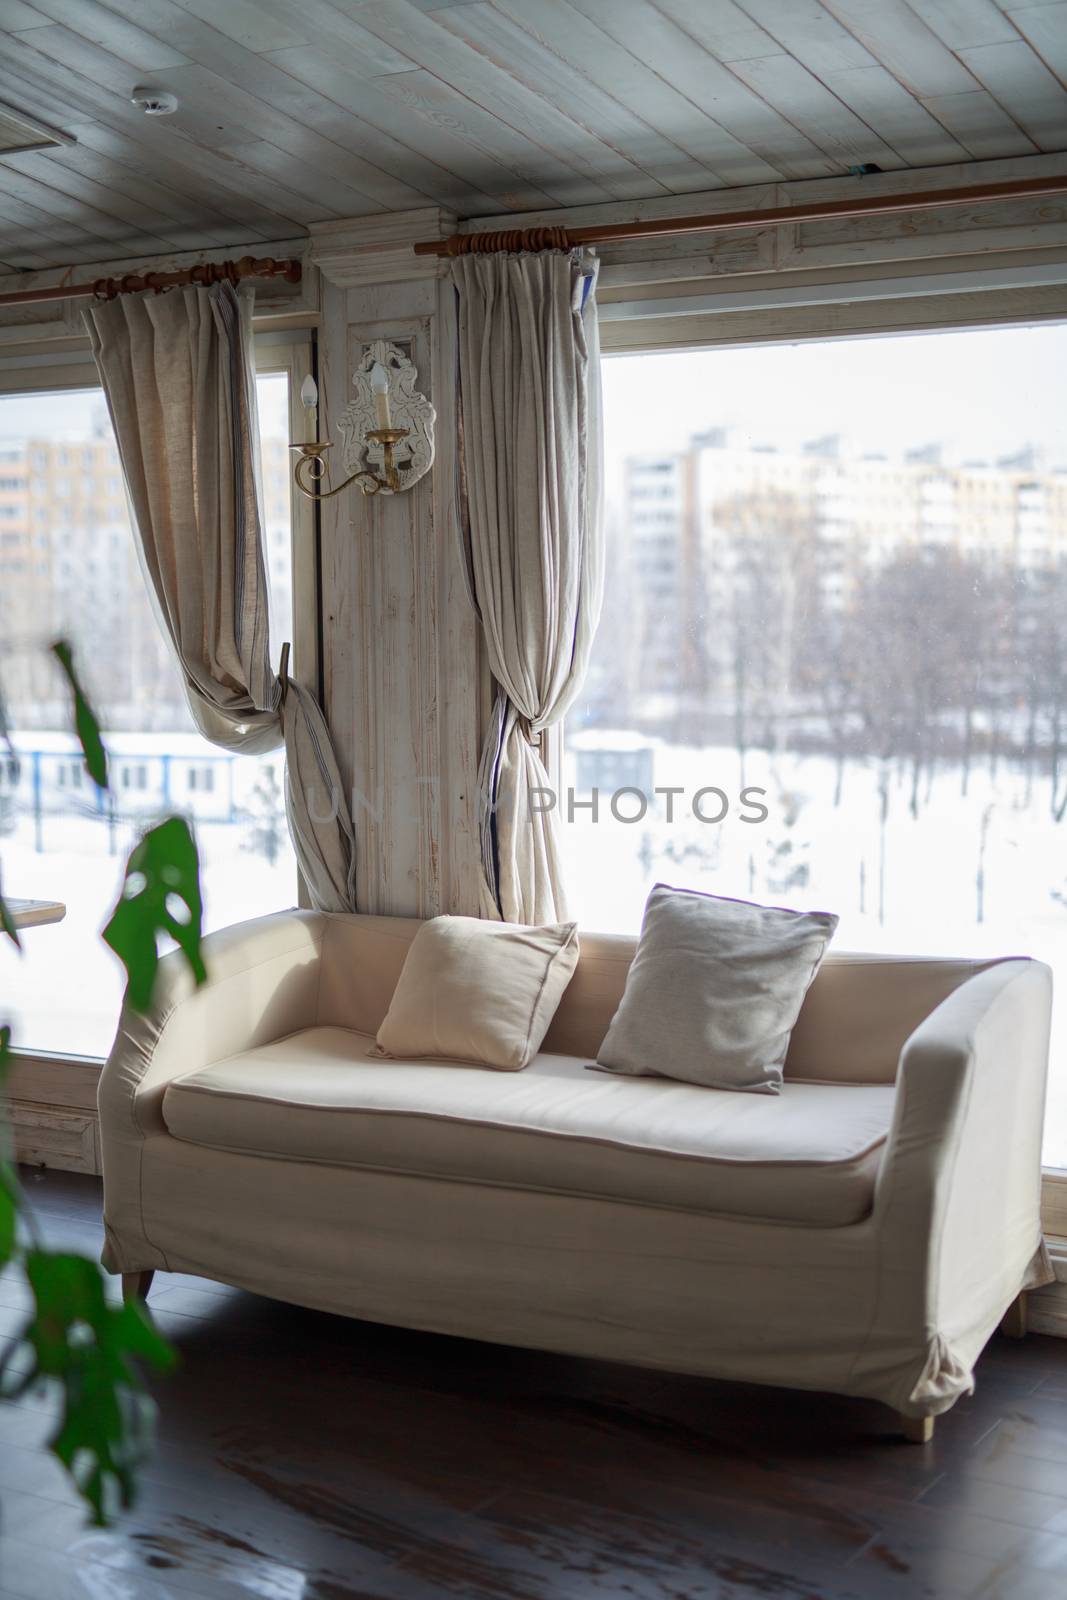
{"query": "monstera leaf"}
pixel 88 1347
pixel 86 725
pixel 160 895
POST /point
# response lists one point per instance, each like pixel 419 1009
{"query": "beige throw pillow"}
pixel 479 991
pixel 714 990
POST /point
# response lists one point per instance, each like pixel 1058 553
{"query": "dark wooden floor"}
pixel 306 1457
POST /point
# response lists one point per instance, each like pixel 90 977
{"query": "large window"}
pixel 834 625
pixel 69 567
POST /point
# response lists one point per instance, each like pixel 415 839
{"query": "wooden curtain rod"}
pixel 206 273
pixel 558 238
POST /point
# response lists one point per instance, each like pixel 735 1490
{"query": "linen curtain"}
pixel 180 386
pixel 529 379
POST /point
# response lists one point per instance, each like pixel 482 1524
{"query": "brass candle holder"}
pixel 311 468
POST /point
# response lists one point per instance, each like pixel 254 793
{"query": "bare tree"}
pixel 916 618
pixel 765 551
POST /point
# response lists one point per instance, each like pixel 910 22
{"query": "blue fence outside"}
pixel 53 783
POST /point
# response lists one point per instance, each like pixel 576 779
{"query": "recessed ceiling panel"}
pixel 18 132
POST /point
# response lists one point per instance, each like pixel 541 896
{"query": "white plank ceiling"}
pixel 294 111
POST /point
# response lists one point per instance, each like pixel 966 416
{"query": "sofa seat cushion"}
pixel 807 1156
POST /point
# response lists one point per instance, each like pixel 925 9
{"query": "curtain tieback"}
pixel 526 728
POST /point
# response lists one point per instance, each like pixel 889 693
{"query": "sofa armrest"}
pixel 262 983
pixel 958 1204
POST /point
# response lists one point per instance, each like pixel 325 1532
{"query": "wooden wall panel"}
pixel 401 647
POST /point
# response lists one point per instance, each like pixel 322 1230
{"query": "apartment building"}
pixel 729 544
pixel 872 506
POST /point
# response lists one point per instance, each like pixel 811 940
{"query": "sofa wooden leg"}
pixel 1013 1323
pixel 917 1430
pixel 135 1285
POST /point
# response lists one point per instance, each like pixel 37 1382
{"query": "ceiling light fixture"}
pixel 154 102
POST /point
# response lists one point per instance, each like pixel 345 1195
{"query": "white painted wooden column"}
pixel 402 662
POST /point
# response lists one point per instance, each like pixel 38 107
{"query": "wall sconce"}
pixel 387 429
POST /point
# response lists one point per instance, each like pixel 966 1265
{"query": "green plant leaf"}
pixel 86 725
pixel 163 868
pixel 89 1348
pixel 7 924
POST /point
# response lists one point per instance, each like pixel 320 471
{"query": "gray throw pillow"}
pixel 714 990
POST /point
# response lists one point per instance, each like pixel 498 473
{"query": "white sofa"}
pixel 864 1232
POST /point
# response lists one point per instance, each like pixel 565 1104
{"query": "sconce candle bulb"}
pixel 379 382
pixel 309 399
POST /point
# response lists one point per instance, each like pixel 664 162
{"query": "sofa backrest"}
pixel 852 1026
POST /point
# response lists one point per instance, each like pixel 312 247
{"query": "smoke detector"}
pixel 155 102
